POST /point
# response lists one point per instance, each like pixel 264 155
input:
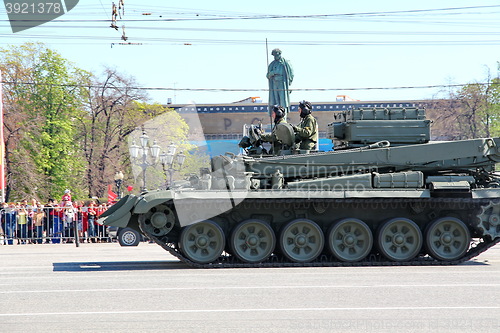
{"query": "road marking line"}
pixel 252 310
pixel 482 285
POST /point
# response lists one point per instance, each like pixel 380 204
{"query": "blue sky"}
pixel 220 46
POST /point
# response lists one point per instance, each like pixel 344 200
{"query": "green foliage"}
pixel 472 111
pixel 43 99
pixel 494 104
pixel 68 128
pixel 166 127
pixel 195 161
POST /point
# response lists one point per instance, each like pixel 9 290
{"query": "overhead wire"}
pixel 295 31
pixel 104 9
pixel 380 13
pixel 201 15
pixel 200 41
pixel 245 89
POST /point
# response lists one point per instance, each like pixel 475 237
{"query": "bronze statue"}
pixel 280 76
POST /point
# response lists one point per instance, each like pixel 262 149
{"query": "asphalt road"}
pixel 108 288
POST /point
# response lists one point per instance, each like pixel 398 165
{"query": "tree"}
pixel 115 111
pixel 110 116
pixel 165 127
pixel 472 111
pixel 67 128
pixel 42 98
pixel 472 118
pixel 493 104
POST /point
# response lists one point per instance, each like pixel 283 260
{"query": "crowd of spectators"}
pixel 54 222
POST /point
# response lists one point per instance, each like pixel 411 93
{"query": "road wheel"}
pixel 447 239
pixel 202 242
pixel 350 240
pixel 128 237
pixel 301 240
pixel 253 241
pixel 400 239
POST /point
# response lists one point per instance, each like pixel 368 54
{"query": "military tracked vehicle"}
pixel 386 195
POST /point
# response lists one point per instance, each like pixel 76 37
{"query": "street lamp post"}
pixel 168 160
pixel 118 182
pixel 140 155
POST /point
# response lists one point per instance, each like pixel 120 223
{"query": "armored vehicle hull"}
pixel 371 203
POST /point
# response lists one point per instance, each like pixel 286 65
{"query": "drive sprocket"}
pixel 488 219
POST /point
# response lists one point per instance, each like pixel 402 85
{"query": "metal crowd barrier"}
pixel 56 225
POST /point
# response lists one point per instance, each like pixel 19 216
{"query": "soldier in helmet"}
pixel 279 113
pixel 306 132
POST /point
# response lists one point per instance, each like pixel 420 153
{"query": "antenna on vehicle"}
pixel 268 106
pixel 269 110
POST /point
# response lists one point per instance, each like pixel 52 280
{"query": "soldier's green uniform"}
pixel 307 133
pixel 277 145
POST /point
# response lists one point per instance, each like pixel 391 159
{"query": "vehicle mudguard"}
pixel 151 199
pixel 119 214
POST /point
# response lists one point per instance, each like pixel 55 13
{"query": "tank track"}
pixel 228 261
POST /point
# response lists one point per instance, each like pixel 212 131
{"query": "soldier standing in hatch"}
pixel 306 132
pixel 279 117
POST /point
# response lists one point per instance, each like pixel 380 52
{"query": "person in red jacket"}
pixel 66 198
pixel 91 215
